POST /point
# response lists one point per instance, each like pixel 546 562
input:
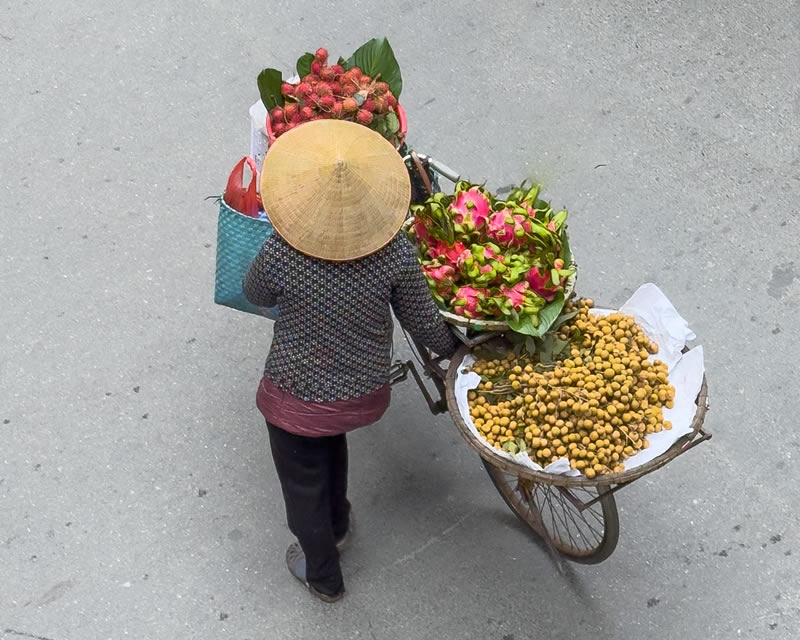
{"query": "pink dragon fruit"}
pixel 490 253
pixel 456 254
pixel 467 302
pixel 523 222
pixel 441 278
pixel 508 229
pixel 440 273
pixel 421 232
pixel 470 209
pixel 541 282
pixel 515 295
pixel 452 256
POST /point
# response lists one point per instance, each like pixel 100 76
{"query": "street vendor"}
pixel 337 194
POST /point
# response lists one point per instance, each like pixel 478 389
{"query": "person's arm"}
pixel 414 307
pixel 259 285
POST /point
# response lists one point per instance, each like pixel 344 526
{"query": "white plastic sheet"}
pixel 258 137
pixel 662 323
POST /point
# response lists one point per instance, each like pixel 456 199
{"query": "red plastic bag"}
pixel 239 197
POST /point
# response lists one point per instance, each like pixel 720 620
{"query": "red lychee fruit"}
pixel 380 105
pixel 323 89
pixel 303 89
pixel 349 105
pixel 291 110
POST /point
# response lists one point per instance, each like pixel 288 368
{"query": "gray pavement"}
pixel 137 495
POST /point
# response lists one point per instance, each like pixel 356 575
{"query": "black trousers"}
pixel 313 477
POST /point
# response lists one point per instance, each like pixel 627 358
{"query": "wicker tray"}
pixel 682 445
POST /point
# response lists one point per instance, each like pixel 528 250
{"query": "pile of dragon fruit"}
pixel 486 257
pixel 346 90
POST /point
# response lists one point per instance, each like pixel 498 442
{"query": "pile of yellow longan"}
pixel 594 407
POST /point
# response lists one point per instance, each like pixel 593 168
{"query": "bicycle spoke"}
pixel 570 510
pixel 552 511
pixel 557 514
pixel 583 524
pixel 567 511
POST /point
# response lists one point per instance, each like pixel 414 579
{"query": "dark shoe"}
pixel 296 562
pixel 341 543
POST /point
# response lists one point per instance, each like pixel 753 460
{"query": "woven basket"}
pixel 508 466
pixel 239 239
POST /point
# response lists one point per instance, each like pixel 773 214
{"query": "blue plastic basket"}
pixel 239 239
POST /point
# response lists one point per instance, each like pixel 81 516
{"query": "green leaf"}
pixel 566 253
pixel 527 324
pixel 564 317
pixel 343 63
pixel 379 124
pixel 392 122
pixel 304 64
pixel 269 86
pixel 510 446
pixel 546 317
pixel 530 345
pixel 447 223
pixel 377 58
pixel 559 346
pixel 546 349
pixel 550 312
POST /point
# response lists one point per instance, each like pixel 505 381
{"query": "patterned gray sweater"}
pixel 333 337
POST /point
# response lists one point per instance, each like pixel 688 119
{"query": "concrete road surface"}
pixel 137 494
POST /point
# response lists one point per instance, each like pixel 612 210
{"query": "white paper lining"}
pixel 662 323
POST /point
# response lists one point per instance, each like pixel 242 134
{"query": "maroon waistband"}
pixel 317 419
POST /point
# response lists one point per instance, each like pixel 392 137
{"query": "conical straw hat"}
pixel 335 190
